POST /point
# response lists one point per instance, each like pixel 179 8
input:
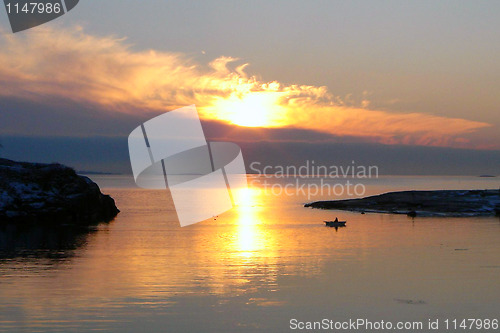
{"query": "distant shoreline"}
pixel 440 203
pixel 83 172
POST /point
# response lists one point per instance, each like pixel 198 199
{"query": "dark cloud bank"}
pixel 110 154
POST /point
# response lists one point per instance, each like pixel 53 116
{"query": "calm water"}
pixel 254 268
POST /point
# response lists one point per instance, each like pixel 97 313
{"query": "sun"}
pixel 254 109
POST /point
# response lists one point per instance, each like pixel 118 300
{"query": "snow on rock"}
pixel 36 192
pixel 423 203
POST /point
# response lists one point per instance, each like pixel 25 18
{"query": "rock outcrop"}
pixel 422 203
pixel 50 193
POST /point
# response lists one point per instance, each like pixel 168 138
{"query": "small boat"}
pixel 335 223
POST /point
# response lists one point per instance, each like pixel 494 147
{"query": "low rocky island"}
pixel 422 203
pixel 50 193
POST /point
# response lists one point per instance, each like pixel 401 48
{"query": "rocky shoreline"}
pixel 50 193
pixel 459 203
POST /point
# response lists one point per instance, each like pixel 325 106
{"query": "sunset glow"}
pixel 156 81
pixel 249 166
pixel 255 109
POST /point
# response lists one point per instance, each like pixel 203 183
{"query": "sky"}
pixel 419 75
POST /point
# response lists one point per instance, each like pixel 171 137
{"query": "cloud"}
pixel 47 63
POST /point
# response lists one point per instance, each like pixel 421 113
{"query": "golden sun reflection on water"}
pixel 266 252
pixel 249 235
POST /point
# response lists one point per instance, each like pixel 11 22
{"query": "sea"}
pixel 266 265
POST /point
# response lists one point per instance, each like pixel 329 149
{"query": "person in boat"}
pixel 336 219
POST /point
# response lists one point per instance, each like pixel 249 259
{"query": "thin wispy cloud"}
pixel 107 72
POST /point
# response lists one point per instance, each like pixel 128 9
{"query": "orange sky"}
pixel 108 73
